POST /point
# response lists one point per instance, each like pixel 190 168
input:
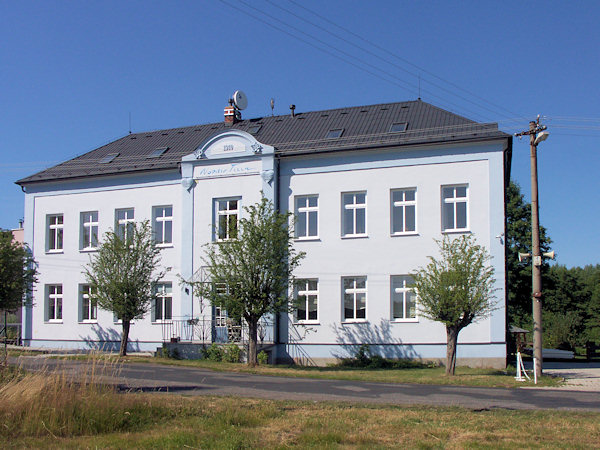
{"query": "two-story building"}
pixel 372 187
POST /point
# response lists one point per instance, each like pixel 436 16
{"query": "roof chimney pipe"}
pixel 292 109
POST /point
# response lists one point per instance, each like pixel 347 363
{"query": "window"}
pixel 157 153
pixel 399 127
pixel 404 205
pixel 254 129
pixel 124 222
pixel 227 218
pixel 454 208
pixel 89 308
pixel 108 158
pixel 54 303
pixel 354 214
pixel 162 224
pixel 333 134
pixel 355 298
pixel 307 217
pixel 89 230
pixel 163 304
pixel 404 301
pixel 220 316
pixel 55 233
pixel 307 298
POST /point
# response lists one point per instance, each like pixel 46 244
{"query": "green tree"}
pixel 250 275
pixel 123 275
pixel 18 272
pixel 456 289
pixel 518 239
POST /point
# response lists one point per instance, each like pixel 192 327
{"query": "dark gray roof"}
pixel 365 127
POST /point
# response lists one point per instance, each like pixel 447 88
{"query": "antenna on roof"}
pixel 419 98
pixel 272 105
pixel 129 122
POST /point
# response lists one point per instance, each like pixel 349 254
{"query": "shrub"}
pixel 232 353
pixel 262 357
pixel 364 359
pixel 213 353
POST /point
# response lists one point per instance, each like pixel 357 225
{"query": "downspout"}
pixel 507 169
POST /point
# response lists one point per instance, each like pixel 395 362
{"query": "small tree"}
pixel 122 275
pixel 250 275
pixel 456 289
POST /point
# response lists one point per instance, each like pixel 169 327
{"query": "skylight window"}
pixel 254 129
pixel 333 134
pixel 158 152
pixel 399 127
pixel 108 158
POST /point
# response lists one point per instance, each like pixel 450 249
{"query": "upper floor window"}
pixel 54 300
pixel 163 304
pixel 226 215
pixel 404 301
pixel 88 306
pixel 404 214
pixel 307 300
pixel 55 232
pixel 89 230
pixel 354 214
pixel 307 216
pixel 455 208
pixel 355 298
pixel 124 222
pixel 162 224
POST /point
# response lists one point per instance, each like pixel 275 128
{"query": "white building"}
pixel 372 187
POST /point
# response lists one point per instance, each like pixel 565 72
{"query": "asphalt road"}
pixel 192 381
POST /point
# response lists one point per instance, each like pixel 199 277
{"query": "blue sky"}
pixel 72 72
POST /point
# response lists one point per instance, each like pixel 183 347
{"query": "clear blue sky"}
pixel 72 72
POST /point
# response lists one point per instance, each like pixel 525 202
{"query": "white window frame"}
pixel 452 202
pixel 402 204
pixel 354 207
pixel 163 295
pixel 163 240
pixel 306 210
pixel 354 291
pixel 122 224
pixel 403 293
pixel 92 307
pixel 302 288
pixel 54 296
pixel 55 228
pixel 87 222
pixel 226 212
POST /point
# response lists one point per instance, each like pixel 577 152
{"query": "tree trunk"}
pixel 124 338
pixel 452 338
pixel 252 340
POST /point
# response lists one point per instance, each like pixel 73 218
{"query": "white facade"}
pixel 369 219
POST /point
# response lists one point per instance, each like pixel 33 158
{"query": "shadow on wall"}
pixel 107 339
pixel 379 337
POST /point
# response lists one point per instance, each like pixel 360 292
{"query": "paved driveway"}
pixel 192 381
pixel 578 376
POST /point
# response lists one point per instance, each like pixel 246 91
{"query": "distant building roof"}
pixel 362 127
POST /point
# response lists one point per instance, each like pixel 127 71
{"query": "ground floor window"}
pixel 404 300
pixel 89 308
pixel 54 301
pixel 355 298
pixel 307 298
pixel 163 304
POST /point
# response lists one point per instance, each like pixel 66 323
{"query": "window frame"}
pixel 86 221
pixel 122 225
pixel 56 230
pixel 454 201
pixel 354 291
pixel 307 210
pixel 162 296
pixel 57 300
pixel 163 219
pixel 403 204
pixel 354 206
pixel 307 293
pixel 404 291
pixel 92 307
pixel 217 213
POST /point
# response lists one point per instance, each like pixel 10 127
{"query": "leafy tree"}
pixel 122 275
pixel 456 289
pixel 250 275
pixel 518 239
pixel 18 272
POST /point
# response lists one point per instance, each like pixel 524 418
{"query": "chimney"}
pixel 292 108
pixel 232 114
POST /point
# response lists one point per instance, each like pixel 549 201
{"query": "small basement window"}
pixel 254 129
pixel 108 158
pixel 333 134
pixel 158 152
pixel 399 127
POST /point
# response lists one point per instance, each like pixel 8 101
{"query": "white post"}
pixel 534 370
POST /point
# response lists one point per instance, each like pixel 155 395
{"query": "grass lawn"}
pixel 465 376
